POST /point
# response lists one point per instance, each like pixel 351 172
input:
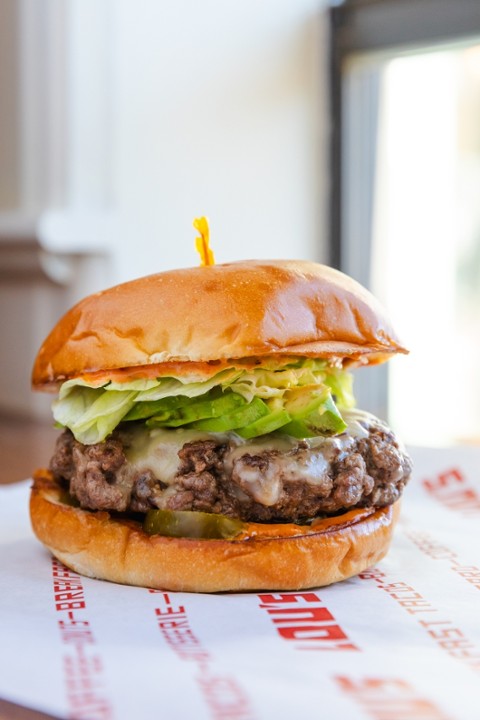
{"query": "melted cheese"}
pixel 157 450
pixel 265 483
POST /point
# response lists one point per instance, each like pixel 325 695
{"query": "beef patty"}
pixel 274 478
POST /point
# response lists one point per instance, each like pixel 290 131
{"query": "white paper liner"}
pixel 400 642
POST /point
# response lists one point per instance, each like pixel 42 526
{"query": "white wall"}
pixel 220 110
pixel 152 112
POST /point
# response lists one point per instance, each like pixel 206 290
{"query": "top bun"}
pixel 241 310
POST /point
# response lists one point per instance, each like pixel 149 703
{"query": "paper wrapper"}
pixel 399 642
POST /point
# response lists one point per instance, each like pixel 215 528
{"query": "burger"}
pixel 209 439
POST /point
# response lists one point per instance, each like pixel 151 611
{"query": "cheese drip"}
pixel 157 450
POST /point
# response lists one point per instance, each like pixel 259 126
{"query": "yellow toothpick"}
pixel 202 243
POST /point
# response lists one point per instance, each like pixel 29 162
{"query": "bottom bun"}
pixel 261 557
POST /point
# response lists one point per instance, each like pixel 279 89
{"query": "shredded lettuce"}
pixel 93 411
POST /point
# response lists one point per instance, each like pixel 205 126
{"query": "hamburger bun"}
pixel 195 319
pixel 261 557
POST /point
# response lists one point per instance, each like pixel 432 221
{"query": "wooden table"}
pixel 24 446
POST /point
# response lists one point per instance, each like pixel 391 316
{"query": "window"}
pixel 406 201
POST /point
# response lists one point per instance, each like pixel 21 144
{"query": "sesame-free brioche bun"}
pixel 262 557
pixel 193 319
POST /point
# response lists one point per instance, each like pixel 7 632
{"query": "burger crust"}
pixel 263 557
pixel 199 317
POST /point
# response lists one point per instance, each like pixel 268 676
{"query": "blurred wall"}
pixel 221 111
pixel 122 121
